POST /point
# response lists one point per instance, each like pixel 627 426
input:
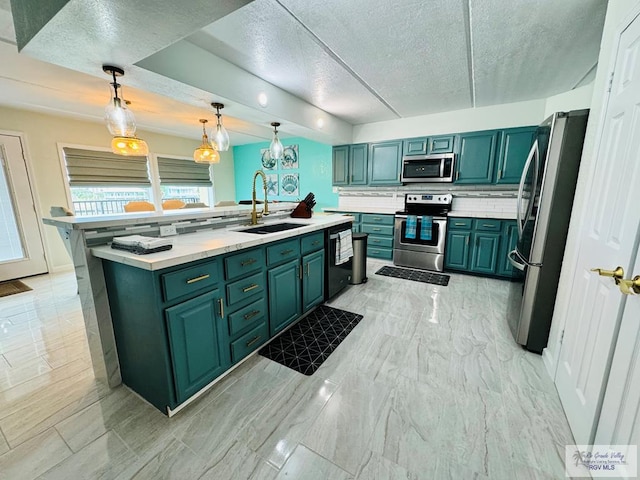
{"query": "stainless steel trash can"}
pixel 359 265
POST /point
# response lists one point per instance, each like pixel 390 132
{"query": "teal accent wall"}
pixel 314 172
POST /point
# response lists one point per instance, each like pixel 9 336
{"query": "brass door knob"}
pixel 617 274
pixel 630 287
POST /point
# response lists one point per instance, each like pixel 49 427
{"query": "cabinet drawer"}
pixel 245 288
pixel 283 251
pixel 487 225
pixel 379 252
pixel 377 219
pixel 460 223
pixel 189 280
pixel 384 230
pixel 375 241
pixel 249 342
pixel 243 263
pixel 247 316
pixel 312 242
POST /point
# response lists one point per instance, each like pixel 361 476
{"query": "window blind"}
pixel 95 168
pixel 175 171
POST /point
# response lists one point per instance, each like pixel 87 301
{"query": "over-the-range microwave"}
pixel 428 168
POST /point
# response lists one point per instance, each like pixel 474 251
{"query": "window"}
pixel 183 179
pixel 102 183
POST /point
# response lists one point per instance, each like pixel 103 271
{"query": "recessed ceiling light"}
pixel 320 123
pixel 262 99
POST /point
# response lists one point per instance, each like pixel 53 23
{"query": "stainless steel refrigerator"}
pixel 545 199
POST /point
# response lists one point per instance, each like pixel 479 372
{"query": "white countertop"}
pixel 182 214
pixel 476 214
pixel 209 243
pixel 380 210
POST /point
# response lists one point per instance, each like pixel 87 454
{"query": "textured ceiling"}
pixel 347 62
pixel 371 60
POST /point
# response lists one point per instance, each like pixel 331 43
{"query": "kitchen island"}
pixel 202 234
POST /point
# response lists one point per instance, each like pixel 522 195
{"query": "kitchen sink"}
pixel 271 228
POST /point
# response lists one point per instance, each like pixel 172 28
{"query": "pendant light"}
pixel 206 153
pixel 121 122
pixel 221 137
pixel 276 149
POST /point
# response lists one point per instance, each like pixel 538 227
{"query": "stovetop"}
pixel 427 204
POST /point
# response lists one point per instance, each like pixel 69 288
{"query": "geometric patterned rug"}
pixel 12 287
pixel 307 344
pixel 415 275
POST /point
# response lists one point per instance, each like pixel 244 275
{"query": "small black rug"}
pixel 415 275
pixel 307 344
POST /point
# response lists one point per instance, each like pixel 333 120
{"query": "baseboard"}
pixel 62 268
pixel 549 363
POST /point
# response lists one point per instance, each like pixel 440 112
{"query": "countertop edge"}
pixel 186 250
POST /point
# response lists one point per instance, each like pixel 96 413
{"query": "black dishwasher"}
pixel 337 276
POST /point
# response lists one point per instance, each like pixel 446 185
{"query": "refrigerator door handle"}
pixel 511 256
pixel 532 153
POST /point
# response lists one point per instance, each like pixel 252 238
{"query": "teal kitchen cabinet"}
pixel 509 242
pixel 350 164
pixel 457 249
pixel 441 144
pixel 198 350
pixel 385 162
pixel 515 144
pixel 284 295
pixel 477 156
pixel 380 229
pixel 481 245
pixel 484 258
pixel 312 280
pixel 428 145
pixel 340 165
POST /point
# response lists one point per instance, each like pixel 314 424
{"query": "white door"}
pixel 21 250
pixel 619 422
pixel 608 239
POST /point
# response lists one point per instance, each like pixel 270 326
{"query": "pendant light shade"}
pixel 276 149
pixel 120 120
pixel 221 137
pixel 206 153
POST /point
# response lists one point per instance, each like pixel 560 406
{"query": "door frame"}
pixel 586 183
pixel 26 156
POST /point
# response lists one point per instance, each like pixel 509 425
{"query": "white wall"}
pixel 618 11
pixel 43 133
pixel 518 114
pixel 572 100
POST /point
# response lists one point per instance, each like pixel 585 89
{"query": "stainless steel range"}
pixel 421 231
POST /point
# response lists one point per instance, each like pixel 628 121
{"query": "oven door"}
pixel 420 240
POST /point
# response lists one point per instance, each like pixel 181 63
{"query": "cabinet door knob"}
pixel 253 340
pixel 250 287
pixel 249 261
pixel 221 302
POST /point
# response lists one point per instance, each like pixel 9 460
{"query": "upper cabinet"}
pixel 384 163
pixel 514 149
pixel 486 157
pixel 427 145
pixel 350 164
pixel 476 160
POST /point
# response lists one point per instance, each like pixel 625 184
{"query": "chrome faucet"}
pixel 265 211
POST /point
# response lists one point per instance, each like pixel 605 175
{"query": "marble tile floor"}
pixel 429 385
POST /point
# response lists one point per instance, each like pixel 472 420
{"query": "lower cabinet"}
pixel 284 295
pixel 485 253
pixel 180 328
pixel 198 350
pixel 312 280
pixel 480 246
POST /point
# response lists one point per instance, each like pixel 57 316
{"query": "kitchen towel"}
pixel 426 228
pixel 344 247
pixel 411 225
